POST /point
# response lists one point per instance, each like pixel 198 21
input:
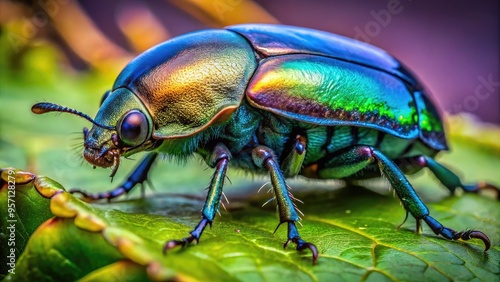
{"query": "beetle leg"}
pixel 449 179
pixel 264 157
pixel 293 236
pixel 139 175
pixel 219 159
pixel 292 163
pixel 356 158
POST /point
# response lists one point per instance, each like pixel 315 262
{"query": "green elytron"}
pixel 281 100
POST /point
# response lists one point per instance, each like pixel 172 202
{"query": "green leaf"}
pixel 18 209
pixel 354 230
pixel 59 237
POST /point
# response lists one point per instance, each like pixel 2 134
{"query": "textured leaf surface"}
pixel 59 237
pixel 354 229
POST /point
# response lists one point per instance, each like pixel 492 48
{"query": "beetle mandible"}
pixel 273 99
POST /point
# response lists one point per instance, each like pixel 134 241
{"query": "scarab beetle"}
pixel 273 99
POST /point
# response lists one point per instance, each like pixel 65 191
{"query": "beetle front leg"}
pixel 139 175
pixel 449 179
pixel 220 160
pixel 356 158
pixel 264 157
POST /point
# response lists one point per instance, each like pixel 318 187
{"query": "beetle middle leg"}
pixel 354 159
pixel 138 176
pixel 220 160
pixel 449 179
pixel 264 157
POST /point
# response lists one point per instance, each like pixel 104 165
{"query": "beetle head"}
pixel 122 127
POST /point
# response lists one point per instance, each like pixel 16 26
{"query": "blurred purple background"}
pixel 452 46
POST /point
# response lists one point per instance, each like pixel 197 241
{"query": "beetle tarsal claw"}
pixel 172 244
pixel 302 245
pixel 476 234
pixel 484 186
pixel 176 243
pixel 85 196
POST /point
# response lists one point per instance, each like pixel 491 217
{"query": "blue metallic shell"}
pixel 163 78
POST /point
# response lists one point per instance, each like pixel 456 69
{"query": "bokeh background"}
pixel 452 46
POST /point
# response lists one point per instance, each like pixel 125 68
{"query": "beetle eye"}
pixel 133 128
pixel 105 96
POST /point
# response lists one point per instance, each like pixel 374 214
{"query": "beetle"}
pixel 273 99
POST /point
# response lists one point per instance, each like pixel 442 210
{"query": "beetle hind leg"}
pixel 356 158
pixel 138 176
pixel 451 234
pixel 449 179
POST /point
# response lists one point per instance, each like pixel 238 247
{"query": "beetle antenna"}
pixel 42 108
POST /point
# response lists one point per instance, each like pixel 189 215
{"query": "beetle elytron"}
pixel 278 99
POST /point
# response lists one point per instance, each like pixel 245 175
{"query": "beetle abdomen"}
pixel 323 141
pixel 260 127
